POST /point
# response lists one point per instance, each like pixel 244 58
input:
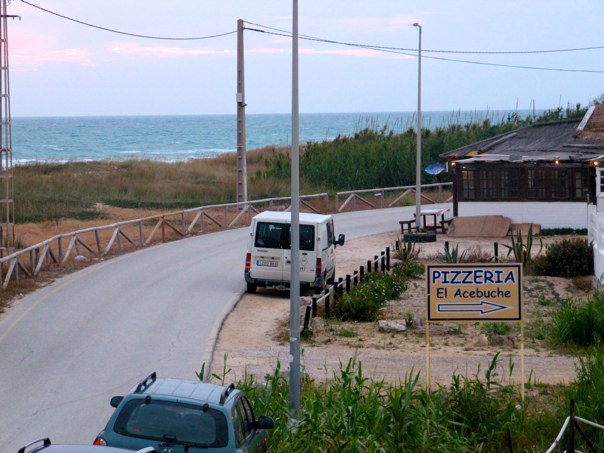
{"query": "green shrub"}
pixel 364 301
pixel 580 324
pixel 563 231
pixel 588 395
pixel 495 328
pixel 567 258
pixel 408 269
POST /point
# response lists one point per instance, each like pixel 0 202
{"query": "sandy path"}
pixel 248 335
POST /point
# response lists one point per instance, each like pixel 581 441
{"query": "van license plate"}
pixel 267 263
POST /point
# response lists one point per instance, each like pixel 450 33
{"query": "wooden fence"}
pixel 386 197
pixel 97 242
pixel 379 263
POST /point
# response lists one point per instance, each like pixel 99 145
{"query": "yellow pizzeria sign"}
pixel 473 292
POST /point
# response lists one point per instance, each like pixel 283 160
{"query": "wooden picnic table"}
pixel 434 213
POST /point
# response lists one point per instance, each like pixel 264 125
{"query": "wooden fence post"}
pixel 314 306
pixel 570 445
pixel 340 287
pixel 361 273
pixel 383 262
pixel 496 251
pixel 368 266
pixel 329 301
pixel 306 319
pixel 387 258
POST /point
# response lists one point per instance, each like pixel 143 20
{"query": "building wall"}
pixel 596 237
pixel 548 214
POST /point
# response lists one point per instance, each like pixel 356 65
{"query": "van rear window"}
pixel 272 235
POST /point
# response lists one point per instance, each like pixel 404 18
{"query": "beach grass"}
pixel 51 191
pixel 372 158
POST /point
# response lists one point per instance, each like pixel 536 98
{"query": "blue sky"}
pixel 63 68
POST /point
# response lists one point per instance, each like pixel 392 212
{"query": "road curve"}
pixel 68 347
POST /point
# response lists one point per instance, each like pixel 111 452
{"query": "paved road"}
pixel 67 348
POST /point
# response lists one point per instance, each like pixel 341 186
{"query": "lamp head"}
pixel 417 24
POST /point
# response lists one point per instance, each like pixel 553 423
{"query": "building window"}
pixel 580 185
pixel 488 184
pixel 535 183
pixel 560 184
pixel 508 182
pixel 467 177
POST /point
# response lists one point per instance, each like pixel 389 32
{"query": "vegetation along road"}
pixel 70 346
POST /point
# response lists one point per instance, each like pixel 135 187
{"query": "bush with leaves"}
pixel 567 258
pixel 365 300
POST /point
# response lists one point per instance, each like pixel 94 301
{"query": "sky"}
pixel 62 68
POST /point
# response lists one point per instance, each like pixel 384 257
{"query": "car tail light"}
pixel 99 440
pixel 248 261
pixel 319 267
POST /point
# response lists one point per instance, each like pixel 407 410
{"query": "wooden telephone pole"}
pixel 7 206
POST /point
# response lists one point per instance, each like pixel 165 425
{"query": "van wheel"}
pixel 251 288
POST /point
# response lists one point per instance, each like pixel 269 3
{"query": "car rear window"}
pixel 272 235
pixel 173 422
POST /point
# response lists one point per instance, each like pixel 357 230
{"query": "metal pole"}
pixel 418 161
pixel 241 137
pixel 294 322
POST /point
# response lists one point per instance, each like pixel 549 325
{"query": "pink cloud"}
pixel 30 50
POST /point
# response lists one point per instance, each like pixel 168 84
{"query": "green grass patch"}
pixel 579 323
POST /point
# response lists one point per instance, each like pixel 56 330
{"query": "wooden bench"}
pixel 444 224
pixel 407 224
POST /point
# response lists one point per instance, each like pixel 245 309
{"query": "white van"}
pixel 268 258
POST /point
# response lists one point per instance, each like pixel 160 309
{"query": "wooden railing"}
pixel 388 196
pixel 97 242
pixel 333 293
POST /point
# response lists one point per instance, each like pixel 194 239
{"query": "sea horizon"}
pixel 172 138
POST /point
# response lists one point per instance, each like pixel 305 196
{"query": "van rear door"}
pixel 308 254
pixel 268 251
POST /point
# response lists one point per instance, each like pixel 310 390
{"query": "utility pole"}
pixel 7 206
pixel 241 137
pixel 294 289
pixel 418 158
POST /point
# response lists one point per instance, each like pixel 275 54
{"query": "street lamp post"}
pixel 418 159
pixel 294 289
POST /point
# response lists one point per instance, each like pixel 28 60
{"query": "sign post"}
pixel 474 292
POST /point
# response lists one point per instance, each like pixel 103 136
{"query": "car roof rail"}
pixel 46 443
pixel 226 392
pixel 146 383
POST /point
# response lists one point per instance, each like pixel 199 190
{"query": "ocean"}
pixel 174 138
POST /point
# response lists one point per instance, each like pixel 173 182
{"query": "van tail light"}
pixel 248 261
pixel 319 267
pixel 99 440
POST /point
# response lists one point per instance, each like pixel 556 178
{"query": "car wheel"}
pixel 251 288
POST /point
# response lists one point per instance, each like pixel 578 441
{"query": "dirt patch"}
pixel 254 336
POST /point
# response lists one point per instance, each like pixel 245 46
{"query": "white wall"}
pixel 596 236
pixel 547 214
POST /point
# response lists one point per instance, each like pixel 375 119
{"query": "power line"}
pixel 195 38
pixel 487 52
pixel 387 50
